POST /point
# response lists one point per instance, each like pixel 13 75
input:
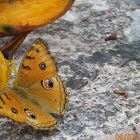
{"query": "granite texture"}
pixel 92 69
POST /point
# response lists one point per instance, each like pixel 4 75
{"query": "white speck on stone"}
pixel 133 32
pixel 69 16
pixel 100 6
pixel 77 30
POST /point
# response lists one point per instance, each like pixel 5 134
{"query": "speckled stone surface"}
pixel 92 69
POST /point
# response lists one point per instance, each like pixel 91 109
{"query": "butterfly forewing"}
pixel 36 64
pixel 10 106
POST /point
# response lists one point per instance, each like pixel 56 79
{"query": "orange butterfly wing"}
pixel 23 111
pixel 36 64
pixel 53 98
pixel 37 118
pixel 11 106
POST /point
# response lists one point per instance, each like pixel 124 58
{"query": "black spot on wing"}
pixel 2 100
pixel 29 57
pixel 7 96
pixel 42 66
pixel 26 67
pixel 37 50
pixel 42 84
pixel 14 110
pixel 23 74
pixel 30 114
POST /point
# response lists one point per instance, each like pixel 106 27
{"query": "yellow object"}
pixel 27 15
pixel 5 72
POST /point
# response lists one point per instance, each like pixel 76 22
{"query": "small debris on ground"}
pixel 111 37
pixel 121 93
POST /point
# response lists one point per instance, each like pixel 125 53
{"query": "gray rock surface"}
pixel 92 69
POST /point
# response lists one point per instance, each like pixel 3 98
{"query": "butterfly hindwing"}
pixel 50 94
pixel 37 118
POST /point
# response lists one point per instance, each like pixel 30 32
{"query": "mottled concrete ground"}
pixel 92 69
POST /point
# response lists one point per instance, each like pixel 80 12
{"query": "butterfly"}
pixel 38 92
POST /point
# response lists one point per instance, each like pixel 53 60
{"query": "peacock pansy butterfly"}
pixel 39 90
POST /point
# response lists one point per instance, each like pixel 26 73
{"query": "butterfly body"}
pixel 39 90
pixel 22 93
